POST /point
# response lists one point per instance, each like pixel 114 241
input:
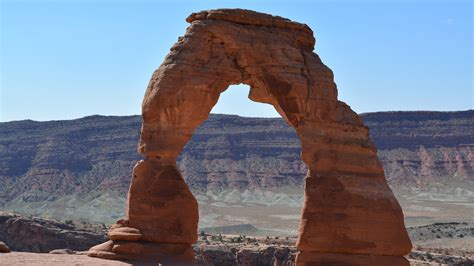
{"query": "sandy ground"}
pixel 281 212
pixel 30 259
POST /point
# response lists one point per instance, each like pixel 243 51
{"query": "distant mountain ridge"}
pixel 391 130
pixel 75 166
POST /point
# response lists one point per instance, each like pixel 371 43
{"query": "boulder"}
pixel 4 248
pixel 124 233
pixel 62 251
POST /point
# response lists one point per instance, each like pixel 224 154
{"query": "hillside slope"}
pixel 81 168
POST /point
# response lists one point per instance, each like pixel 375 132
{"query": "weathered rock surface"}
pixel 232 253
pixel 44 259
pixel 245 256
pixel 63 251
pixel 164 253
pixel 215 256
pixel 225 153
pixel 348 205
pixel 4 248
pixel 424 148
pixel 124 233
pixel 317 258
pixel 95 152
pixel 279 252
pixel 265 256
pixel 160 204
pixel 39 235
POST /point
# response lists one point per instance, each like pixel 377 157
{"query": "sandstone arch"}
pixel 350 214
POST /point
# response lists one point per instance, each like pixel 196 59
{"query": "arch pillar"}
pixel 350 216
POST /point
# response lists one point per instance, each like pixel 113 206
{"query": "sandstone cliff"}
pixel 81 168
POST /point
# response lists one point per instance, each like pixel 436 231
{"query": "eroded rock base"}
pixel 166 254
pixel 319 258
pixel 355 215
pixel 160 206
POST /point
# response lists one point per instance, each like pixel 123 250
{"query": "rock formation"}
pixel 4 248
pixel 33 234
pixel 39 161
pixel 350 214
pixel 244 255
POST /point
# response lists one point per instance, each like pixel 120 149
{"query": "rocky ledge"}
pixel 33 234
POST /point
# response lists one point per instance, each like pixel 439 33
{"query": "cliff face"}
pixel 410 130
pixel 242 153
pixel 415 148
pixel 44 161
pixel 422 148
pixel 32 234
pixel 85 164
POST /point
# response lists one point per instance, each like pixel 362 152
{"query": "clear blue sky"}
pixel 68 59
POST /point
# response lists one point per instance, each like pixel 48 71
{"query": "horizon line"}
pixel 262 117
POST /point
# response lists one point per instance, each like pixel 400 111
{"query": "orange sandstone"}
pixel 349 216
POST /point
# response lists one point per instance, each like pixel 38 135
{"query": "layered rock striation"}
pixel 417 149
pixel 349 213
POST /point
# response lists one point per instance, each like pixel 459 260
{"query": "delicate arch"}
pixel 348 207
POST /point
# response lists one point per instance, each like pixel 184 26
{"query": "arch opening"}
pixel 245 171
pixel 235 101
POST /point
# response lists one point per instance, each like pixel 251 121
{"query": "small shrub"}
pixel 237 239
pixel 429 256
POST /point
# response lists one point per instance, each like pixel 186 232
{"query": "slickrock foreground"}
pixel 350 215
pixel 42 259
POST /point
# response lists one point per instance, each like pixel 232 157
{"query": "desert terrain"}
pixel 37 241
pixel 248 183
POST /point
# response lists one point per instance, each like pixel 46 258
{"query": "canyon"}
pixel 80 169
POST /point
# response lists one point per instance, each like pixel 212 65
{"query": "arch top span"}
pixel 249 17
pixel 271 54
pixel 350 215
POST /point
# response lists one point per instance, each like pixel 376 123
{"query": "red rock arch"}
pixel 350 214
